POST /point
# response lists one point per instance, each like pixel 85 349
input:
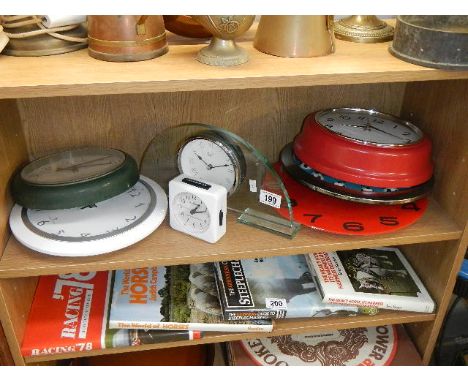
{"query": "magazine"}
pixel 272 287
pixel 380 277
pixel 173 298
pixel 69 313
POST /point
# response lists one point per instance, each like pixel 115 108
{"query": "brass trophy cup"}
pixel 223 51
pixel 366 29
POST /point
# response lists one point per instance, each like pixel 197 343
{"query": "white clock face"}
pixel 191 212
pixel 204 159
pixel 73 166
pixel 369 127
pixel 97 221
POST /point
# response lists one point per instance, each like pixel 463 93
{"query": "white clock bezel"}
pixel 374 114
pixel 100 244
pixel 233 152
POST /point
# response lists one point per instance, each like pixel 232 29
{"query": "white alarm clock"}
pixel 198 208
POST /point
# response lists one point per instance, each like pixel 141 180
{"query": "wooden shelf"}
pixel 282 327
pixel 76 74
pixel 168 247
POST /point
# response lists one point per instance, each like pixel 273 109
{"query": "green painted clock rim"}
pixel 80 194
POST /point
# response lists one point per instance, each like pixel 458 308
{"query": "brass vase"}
pixel 222 50
pixel 295 36
pixel 367 29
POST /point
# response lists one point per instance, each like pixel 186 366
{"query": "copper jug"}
pixel 126 38
pixel 295 36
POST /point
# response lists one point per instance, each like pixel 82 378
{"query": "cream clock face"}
pixel 73 166
pixel 211 161
pixel 368 126
pixel 191 212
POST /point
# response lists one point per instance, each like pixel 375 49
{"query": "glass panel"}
pixel 255 181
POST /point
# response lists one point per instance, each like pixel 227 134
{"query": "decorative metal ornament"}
pixel 366 29
pixel 223 51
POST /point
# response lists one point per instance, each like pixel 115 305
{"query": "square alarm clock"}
pixel 198 208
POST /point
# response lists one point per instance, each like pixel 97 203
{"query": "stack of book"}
pixel 96 310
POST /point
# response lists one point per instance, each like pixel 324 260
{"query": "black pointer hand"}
pixel 208 166
pixel 199 212
pixel 223 165
pixel 194 210
pixel 385 132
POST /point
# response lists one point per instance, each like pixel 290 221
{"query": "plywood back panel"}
pixel 268 118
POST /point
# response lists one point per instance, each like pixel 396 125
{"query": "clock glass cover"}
pixel 73 166
pixel 370 127
pixel 191 212
pixel 211 159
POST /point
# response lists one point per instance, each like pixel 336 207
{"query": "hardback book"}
pixel 69 313
pixel 272 287
pixel 182 297
pixel 380 277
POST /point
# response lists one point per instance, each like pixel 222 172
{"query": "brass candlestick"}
pixel 367 29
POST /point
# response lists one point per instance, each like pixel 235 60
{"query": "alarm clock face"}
pixel 72 166
pixel 213 160
pixel 191 212
pixel 370 127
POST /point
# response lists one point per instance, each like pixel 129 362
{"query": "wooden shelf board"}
pixel 168 247
pixel 77 74
pixel 282 327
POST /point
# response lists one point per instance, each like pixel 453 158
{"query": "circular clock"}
pixel 330 214
pixel 94 229
pixel 348 191
pixel 213 157
pixel 74 178
pixel 365 147
pixel 191 212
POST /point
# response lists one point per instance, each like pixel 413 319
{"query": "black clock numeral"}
pixel 89 206
pixel 410 206
pixel 361 118
pixel 353 226
pixel 85 234
pixel 134 195
pixel 330 119
pixel 43 222
pixel 328 125
pixel 389 220
pixel 345 117
pixel 61 232
pixel 139 205
pixel 406 133
pixel 128 220
pixel 379 121
pixel 314 217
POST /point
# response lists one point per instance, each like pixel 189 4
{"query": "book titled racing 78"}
pixel 379 277
pixel 273 287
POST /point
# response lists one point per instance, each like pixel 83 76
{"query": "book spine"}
pixel 391 304
pixel 243 315
pixel 204 327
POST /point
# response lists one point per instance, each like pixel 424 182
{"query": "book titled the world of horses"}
pixel 380 278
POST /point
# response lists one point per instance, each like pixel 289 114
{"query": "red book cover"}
pixel 68 314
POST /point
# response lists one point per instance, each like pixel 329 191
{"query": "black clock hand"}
pixel 208 166
pixel 223 165
pixel 194 210
pixel 82 163
pixel 199 212
pixel 385 132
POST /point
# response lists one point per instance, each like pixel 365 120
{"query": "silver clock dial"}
pixel 191 212
pixel 369 126
pixel 73 166
pixel 205 159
